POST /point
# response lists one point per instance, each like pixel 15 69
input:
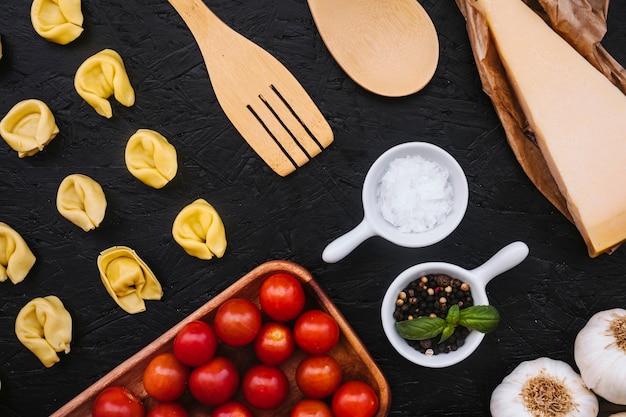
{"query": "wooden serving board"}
pixel 357 364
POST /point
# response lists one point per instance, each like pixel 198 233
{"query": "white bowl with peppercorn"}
pixel 436 314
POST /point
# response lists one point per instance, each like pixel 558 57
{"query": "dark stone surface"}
pixel 543 302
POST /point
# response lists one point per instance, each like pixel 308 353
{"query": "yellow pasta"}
pixel 101 76
pixel 198 228
pixel 28 127
pixel 44 326
pixel 151 158
pixel 81 200
pixel 127 279
pixel 16 258
pixel 59 21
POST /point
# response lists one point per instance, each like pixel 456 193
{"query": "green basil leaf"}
pixel 453 314
pixel 447 332
pixel 485 319
pixel 420 328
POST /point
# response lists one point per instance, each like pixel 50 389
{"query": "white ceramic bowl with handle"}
pixel 373 223
pixel 477 278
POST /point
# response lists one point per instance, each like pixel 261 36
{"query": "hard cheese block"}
pixel 577 115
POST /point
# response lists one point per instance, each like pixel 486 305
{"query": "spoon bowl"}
pixel 374 224
pixel 477 278
pixel 388 47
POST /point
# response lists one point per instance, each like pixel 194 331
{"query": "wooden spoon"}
pixel 389 47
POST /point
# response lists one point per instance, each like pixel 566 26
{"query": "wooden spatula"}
pixel 263 100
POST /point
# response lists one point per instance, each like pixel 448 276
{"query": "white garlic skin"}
pixel 507 400
pixel 601 362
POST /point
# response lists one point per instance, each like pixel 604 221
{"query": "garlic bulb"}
pixel 543 387
pixel 600 353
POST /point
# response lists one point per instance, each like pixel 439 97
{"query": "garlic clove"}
pixel 600 354
pixel 543 387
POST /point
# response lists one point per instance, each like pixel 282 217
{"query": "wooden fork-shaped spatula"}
pixel 263 100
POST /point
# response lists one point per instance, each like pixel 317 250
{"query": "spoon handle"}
pixel 343 245
pixel 505 259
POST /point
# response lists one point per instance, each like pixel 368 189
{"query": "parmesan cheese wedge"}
pixel 577 115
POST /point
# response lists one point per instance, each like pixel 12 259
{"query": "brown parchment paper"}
pixel 582 23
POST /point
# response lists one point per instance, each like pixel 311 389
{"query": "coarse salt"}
pixel 415 194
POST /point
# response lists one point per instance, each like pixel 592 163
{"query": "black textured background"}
pixel 543 302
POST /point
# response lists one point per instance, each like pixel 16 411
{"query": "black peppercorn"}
pixel 432 295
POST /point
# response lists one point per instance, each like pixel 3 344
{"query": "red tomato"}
pixel 237 322
pixel 318 376
pixel 167 410
pixel 265 386
pixel 195 344
pixel 274 344
pixel 311 408
pixel 165 378
pixel 117 401
pixel 316 332
pixel 282 297
pixel 232 409
pixel 214 382
pixel 354 399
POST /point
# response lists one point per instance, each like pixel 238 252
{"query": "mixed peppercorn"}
pixel 431 296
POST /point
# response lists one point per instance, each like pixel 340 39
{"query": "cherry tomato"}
pixel 318 376
pixel 282 297
pixel 311 408
pixel 214 382
pixel 195 344
pixel 354 399
pixel 274 344
pixel 165 378
pixel 167 410
pixel 265 386
pixel 316 332
pixel 117 401
pixel 232 409
pixel 237 322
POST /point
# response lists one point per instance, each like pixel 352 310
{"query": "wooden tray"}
pixel 355 360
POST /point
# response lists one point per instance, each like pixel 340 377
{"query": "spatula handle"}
pixel 199 18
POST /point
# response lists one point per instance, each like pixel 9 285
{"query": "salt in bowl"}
pixel 374 224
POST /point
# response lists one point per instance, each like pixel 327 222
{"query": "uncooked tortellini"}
pixel 16 258
pixel 44 326
pixel 28 127
pixel 151 158
pixel 127 279
pixel 101 76
pixel 81 200
pixel 198 228
pixel 59 21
